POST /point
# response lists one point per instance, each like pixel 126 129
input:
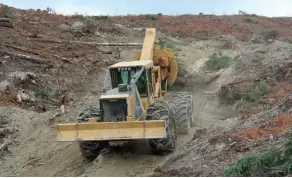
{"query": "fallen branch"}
pixel 32 23
pixel 184 147
pixel 34 35
pixel 106 52
pixel 25 164
pixel 30 35
pixel 4 20
pixel 275 108
pixel 30 162
pixel 37 52
pixel 6 24
pixel 21 49
pixel 3 146
pixel 85 42
pixel 27 58
pixel 111 44
pixel 240 137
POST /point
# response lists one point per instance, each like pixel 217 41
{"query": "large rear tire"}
pixel 89 149
pixel 183 117
pixel 183 104
pixel 160 111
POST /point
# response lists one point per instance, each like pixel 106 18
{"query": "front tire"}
pixel 89 149
pixel 160 111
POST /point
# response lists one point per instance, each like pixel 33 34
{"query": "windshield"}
pixel 121 76
pixel 125 77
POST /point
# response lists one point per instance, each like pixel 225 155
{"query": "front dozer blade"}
pixel 111 130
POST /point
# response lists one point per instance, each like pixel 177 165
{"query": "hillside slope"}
pixel 240 106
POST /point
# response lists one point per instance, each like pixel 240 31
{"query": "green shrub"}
pixel 42 93
pixel 7 11
pixel 24 19
pixel 216 62
pixel 87 27
pixel 238 27
pixel 271 34
pixel 263 87
pixel 77 16
pixel 255 93
pixel 90 25
pixel 100 17
pixel 274 162
pixel 249 20
pixel 251 95
pixel 154 17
